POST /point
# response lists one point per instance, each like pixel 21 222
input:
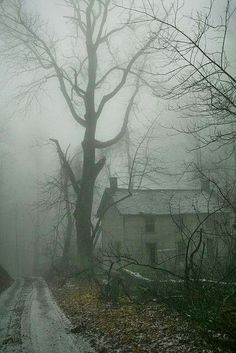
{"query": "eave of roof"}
pixel 160 201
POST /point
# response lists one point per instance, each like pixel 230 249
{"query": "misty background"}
pixel 28 158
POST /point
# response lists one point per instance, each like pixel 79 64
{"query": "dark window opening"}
pixel 181 248
pixel 150 224
pixel 117 246
pixel 181 223
pixel 211 249
pixel 152 253
pixel 117 249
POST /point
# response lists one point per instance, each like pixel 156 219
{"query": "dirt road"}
pixel 31 321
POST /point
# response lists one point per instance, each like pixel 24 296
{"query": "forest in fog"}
pixel 172 112
pixel 118 155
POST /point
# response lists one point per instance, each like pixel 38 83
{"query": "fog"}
pixel 28 158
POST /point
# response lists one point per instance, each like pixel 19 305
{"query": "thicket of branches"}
pixel 197 67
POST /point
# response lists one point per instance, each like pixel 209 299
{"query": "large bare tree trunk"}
pixel 79 82
pixel 84 208
pixel 83 211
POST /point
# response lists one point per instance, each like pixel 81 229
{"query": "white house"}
pixel 155 225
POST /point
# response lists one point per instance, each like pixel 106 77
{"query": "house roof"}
pixel 160 202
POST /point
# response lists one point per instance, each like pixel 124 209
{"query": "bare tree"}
pixel 57 195
pixel 82 81
pixel 197 71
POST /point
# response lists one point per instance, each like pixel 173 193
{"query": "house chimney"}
pixel 113 183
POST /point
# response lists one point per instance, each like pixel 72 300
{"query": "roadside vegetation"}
pixel 128 315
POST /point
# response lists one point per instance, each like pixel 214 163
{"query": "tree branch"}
pixel 100 144
pixel 67 166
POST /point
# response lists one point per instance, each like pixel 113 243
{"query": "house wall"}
pixel 136 238
pixel 112 230
pixel 127 233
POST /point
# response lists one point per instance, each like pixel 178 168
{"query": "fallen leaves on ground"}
pixel 129 328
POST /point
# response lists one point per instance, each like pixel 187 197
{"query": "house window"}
pixel 210 249
pixel 181 248
pixel 181 223
pixel 152 253
pixel 117 247
pixel 149 224
pixel 116 250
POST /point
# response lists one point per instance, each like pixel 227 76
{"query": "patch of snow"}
pixel 137 275
pixel 31 322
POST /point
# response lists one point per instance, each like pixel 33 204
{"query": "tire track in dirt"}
pixel 50 329
pixel 32 322
pixel 14 306
pixel 8 301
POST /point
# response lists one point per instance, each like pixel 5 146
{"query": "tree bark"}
pixel 84 203
pixel 69 226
